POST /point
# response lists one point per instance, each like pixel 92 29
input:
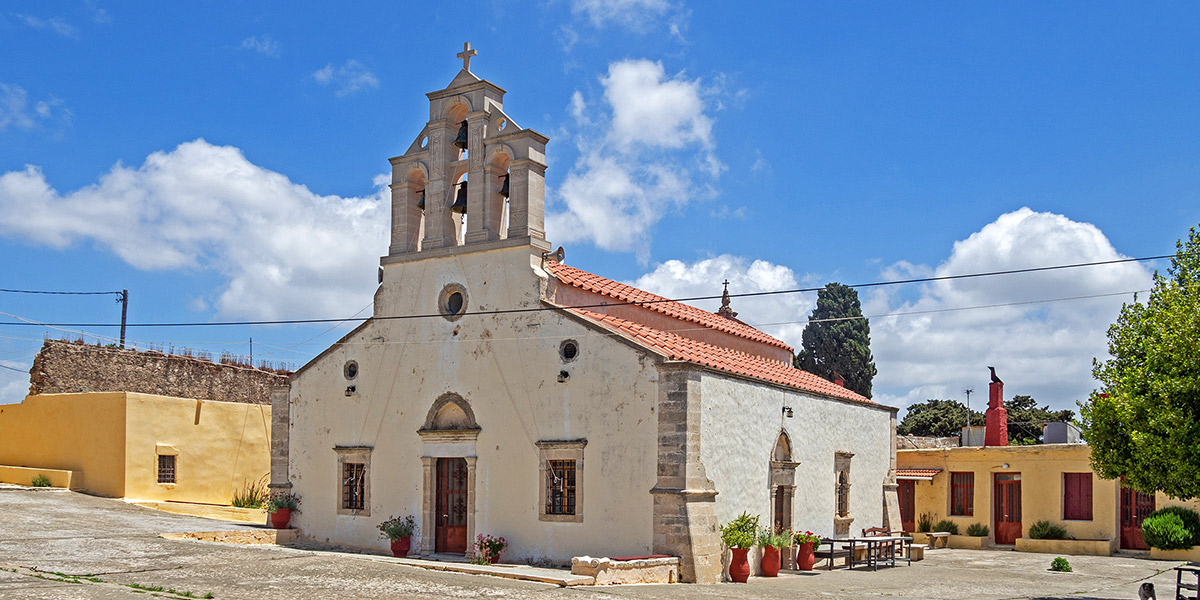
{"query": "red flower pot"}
pixel 805 557
pixel 739 566
pixel 280 518
pixel 401 546
pixel 770 561
pixel 493 558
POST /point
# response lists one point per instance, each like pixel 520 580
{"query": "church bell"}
pixel 504 188
pixel 460 141
pixel 421 202
pixel 460 201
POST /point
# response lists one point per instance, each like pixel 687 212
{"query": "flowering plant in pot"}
pixel 806 545
pixel 488 548
pixel 740 535
pixel 399 531
pixel 281 505
pixel 772 542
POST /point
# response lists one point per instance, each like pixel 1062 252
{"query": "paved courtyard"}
pixel 50 539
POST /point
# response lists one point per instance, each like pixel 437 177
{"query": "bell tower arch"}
pixel 482 175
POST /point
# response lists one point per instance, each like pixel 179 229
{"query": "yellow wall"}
pixel 112 441
pixel 1041 468
pixel 77 432
pixel 221 446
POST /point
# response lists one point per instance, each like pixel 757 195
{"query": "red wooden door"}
pixel 1006 499
pixel 908 495
pixel 450 533
pixel 1135 506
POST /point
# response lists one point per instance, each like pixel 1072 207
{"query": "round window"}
pixel 568 350
pixel 350 370
pixel 452 302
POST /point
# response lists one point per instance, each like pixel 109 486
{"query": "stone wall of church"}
pixel 67 367
pixel 741 425
pixel 508 370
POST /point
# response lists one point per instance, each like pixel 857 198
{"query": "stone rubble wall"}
pixel 70 367
pixel 916 442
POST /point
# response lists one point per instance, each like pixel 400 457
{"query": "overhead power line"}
pixel 118 292
pixel 598 305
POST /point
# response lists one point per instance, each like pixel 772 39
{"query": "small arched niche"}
pixel 450 412
pixel 418 200
pixel 497 168
pixel 782 482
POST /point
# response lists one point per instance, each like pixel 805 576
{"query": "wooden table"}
pixel 879 549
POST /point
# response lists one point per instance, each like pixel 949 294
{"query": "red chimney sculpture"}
pixel 996 418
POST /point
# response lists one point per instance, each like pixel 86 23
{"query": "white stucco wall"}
pixel 506 367
pixel 740 424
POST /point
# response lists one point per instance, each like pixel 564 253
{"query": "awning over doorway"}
pixel 917 474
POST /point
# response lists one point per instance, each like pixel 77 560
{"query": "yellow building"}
pixel 138 446
pixel 1008 488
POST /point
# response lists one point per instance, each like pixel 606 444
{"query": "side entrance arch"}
pixel 448 459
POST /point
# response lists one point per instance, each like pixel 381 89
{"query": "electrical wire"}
pixel 58 293
pixel 600 305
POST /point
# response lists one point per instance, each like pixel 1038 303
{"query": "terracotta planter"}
pixel 739 565
pixel 401 546
pixel 493 558
pixel 770 561
pixel 805 557
pixel 280 518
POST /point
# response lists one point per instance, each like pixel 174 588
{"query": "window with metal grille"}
pixel 353 485
pixel 1077 496
pixel 962 494
pixel 166 468
pixel 560 487
pixel 843 494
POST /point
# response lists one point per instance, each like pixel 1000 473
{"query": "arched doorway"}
pixel 448 459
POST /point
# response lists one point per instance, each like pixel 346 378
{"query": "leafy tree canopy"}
pixel 838 339
pixel 1025 419
pixel 937 418
pixel 1143 423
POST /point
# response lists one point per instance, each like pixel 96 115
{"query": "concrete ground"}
pixel 50 540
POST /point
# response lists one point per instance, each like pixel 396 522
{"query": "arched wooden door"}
pixel 451 528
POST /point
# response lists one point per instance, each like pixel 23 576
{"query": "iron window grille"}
pixel 166 468
pixel 354 486
pixel 560 487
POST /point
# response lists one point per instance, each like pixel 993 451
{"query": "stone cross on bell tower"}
pixel 471 177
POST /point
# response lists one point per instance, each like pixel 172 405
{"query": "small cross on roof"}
pixel 466 55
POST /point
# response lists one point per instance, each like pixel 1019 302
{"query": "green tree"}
pixel 1025 419
pixel 1143 423
pixel 837 338
pixel 937 418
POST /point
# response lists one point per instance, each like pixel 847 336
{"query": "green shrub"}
pixel 1166 531
pixel 252 494
pixel 977 530
pixel 40 481
pixel 1045 530
pixel 1189 517
pixel 1060 564
pixel 946 525
pixel 741 532
pixel 925 523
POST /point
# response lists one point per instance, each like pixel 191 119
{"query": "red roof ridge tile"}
pixel 628 294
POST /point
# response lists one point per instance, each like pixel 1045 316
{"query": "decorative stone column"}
pixel 406 218
pixel 439 229
pixel 428 506
pixel 527 199
pixel 891 489
pixel 281 422
pixel 685 517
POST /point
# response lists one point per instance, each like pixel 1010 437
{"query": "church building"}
pixel 498 391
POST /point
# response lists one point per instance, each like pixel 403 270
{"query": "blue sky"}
pixel 222 161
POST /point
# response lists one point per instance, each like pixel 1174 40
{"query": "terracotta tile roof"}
pixel 917 472
pixel 677 347
pixel 678 310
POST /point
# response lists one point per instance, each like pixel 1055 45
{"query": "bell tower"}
pixel 472 176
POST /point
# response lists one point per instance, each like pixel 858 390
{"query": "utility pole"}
pixel 123 298
pixel 968 392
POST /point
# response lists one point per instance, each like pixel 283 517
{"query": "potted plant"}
pixel 281 505
pixel 488 548
pixel 772 543
pixel 398 531
pixel 739 535
pixel 806 547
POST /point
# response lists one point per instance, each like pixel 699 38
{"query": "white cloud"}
pixel 641 151
pixel 781 316
pixel 54 24
pixel 284 251
pixel 16 112
pixel 265 45
pixel 1044 350
pixel 350 78
pixel 637 15
pixel 14 384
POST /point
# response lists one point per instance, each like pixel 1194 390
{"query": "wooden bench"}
pixel 827 551
pixel 938 535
